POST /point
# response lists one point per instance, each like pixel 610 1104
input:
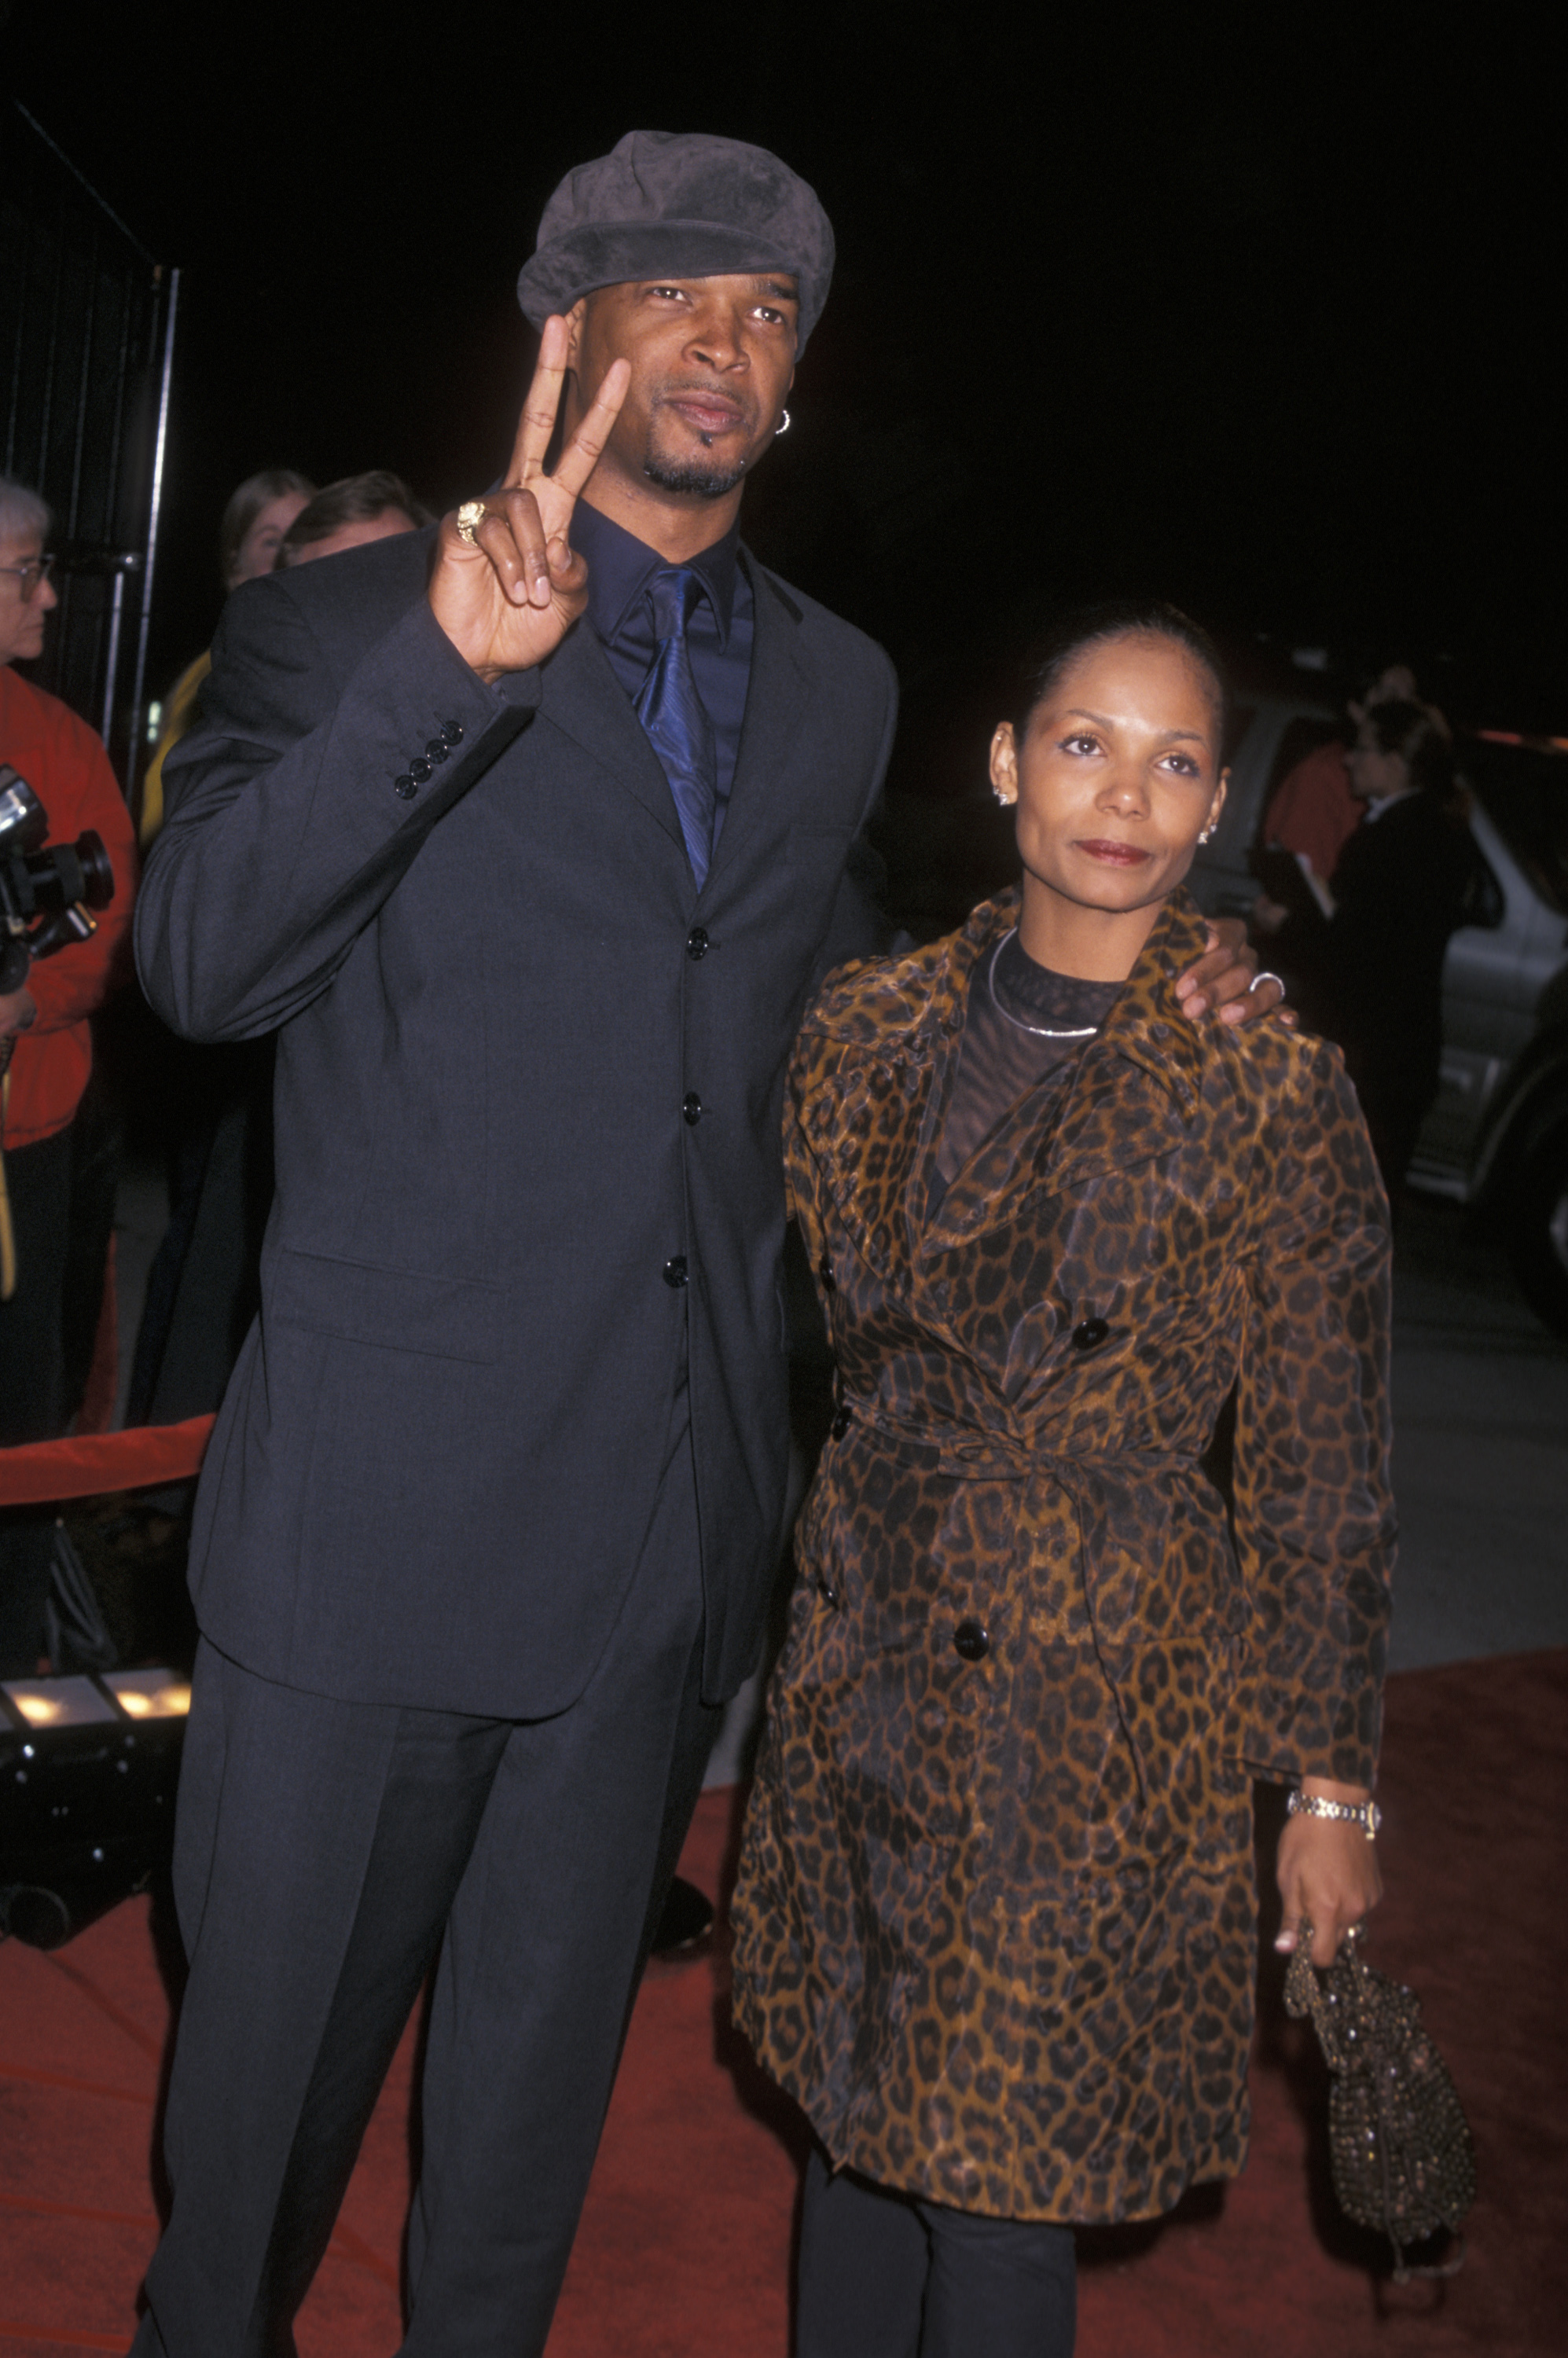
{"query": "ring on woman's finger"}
pixel 1264 977
pixel 470 515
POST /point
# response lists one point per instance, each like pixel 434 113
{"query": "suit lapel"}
pixel 774 696
pixel 583 699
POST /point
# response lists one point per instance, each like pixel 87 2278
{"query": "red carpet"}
pixel 685 2246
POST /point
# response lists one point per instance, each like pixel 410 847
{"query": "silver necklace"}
pixel 1041 1031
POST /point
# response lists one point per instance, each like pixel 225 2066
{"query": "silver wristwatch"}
pixel 1364 1814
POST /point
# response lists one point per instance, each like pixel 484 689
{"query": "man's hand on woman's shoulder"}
pixel 1225 979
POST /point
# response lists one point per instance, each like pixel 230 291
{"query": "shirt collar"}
pixel 619 567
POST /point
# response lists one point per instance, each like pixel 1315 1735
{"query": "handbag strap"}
pixel 1306 1993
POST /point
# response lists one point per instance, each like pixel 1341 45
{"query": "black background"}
pixel 1257 309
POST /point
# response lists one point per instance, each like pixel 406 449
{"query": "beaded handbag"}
pixel 1403 2162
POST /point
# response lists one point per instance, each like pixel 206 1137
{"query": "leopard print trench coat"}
pixel 995 1927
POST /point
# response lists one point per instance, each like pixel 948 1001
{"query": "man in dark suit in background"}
pixel 488 1518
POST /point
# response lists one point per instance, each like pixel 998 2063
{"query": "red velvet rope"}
pixel 86 1464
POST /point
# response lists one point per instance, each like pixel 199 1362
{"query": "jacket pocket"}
pixel 399 1309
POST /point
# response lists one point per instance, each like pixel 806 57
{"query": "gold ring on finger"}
pixel 470 515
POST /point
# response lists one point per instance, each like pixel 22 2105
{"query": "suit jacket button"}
pixel 405 788
pixel 691 1106
pixel 1089 1333
pixel 971 1640
pixel 452 730
pixel 675 1270
pixel 419 769
pixel 841 1424
pixel 437 749
pixel 697 942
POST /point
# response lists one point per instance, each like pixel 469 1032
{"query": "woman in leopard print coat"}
pixel 997 1916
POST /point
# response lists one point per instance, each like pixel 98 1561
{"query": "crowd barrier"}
pixel 84 1465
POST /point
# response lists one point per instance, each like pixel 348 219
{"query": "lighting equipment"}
pixel 88 1769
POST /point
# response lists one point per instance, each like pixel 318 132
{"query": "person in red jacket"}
pixel 48 1028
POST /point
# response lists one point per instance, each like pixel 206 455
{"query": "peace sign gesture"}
pixel 507 597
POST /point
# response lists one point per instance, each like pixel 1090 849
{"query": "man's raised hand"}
pixel 507 597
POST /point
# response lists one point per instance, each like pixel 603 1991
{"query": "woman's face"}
pixel 1116 777
pixel 258 549
pixel 1375 776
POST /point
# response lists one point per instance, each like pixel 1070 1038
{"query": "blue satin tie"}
pixel 674 716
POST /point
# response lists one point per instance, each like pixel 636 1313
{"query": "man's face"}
pixel 22 619
pixel 712 359
pixel 385 526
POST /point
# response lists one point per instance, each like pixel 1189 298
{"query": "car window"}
pixel 1522 785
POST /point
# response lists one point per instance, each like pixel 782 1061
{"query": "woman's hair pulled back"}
pixel 1409 730
pixel 1070 634
pixel 247 501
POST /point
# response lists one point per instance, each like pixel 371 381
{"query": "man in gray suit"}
pixel 526 838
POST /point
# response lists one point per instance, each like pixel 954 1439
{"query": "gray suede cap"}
pixel 687 202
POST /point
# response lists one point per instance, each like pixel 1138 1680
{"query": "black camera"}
pixel 46 893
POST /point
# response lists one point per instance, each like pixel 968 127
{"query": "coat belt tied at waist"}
pixel 1097 1483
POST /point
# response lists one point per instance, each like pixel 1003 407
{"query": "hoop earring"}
pixel 782 425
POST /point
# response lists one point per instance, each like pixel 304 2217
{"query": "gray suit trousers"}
pixel 323 1850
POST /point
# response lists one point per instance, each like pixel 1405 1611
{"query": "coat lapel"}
pixel 774 696
pixel 1071 1129
pixel 583 699
pixel 878 1162
pixel 1114 1118
pixel 872 1112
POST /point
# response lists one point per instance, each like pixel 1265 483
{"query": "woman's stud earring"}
pixel 782 425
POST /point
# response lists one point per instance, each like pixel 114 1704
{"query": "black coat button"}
pixel 419 769
pixel 691 1106
pixel 841 1424
pixel 675 1271
pixel 437 749
pixel 697 942
pixel 404 789
pixel 825 1271
pixel 452 730
pixel 1089 1333
pixel 971 1640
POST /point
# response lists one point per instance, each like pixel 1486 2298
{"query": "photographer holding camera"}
pixel 48 1321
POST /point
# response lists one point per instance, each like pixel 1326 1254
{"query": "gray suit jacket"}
pixel 500 1003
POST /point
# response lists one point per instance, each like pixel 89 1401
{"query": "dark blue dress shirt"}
pixel 719 635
